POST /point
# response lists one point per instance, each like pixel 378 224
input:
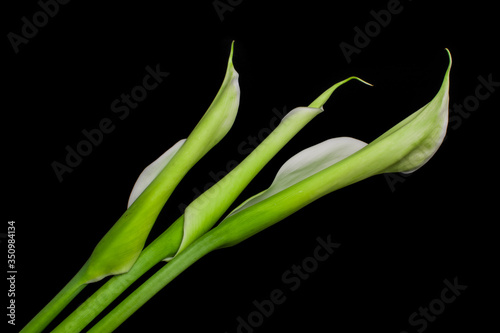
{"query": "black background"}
pixel 398 244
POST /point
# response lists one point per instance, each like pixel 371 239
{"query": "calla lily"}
pixel 309 175
pixel 120 247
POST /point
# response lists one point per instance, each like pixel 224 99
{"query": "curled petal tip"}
pixel 361 80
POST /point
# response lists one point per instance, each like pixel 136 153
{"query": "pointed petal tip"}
pixel 361 80
pixel 232 50
pixel 231 53
pixel 449 53
pixel 325 96
pixel 450 58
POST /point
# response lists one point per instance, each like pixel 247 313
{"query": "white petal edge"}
pixel 151 171
pixel 305 164
pixel 427 150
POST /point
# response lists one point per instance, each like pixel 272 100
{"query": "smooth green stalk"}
pixel 164 246
pixel 52 309
pixel 202 246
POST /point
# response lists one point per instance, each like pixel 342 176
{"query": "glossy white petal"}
pixel 153 170
pixel 305 164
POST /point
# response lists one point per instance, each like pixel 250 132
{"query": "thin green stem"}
pixel 57 304
pixel 155 283
pixel 164 246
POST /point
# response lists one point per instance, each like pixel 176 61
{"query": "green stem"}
pixel 58 303
pixel 155 283
pixel 164 246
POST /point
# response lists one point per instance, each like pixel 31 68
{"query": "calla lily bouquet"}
pixel 305 177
